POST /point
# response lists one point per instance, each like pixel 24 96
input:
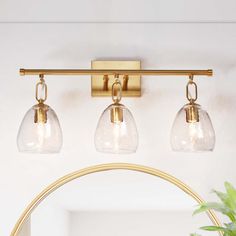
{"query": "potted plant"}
pixel 226 206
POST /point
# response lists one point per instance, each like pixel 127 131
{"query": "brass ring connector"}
pixel 117 78
pixel 41 76
pixel 41 85
pixel 191 78
pixel 116 91
pixel 191 98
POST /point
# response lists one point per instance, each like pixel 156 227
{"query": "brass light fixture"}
pixel 192 130
pixel 40 131
pixel 116 130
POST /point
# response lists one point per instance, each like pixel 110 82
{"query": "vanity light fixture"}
pixel 192 130
pixel 40 131
pixel 116 131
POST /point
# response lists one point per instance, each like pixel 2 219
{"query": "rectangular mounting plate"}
pixel 97 82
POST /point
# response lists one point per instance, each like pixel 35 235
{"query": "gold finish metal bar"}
pixel 23 72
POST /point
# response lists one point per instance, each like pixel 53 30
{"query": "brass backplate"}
pixel 134 82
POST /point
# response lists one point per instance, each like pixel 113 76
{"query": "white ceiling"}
pixel 118 11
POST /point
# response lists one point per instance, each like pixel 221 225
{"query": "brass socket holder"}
pixel 192 113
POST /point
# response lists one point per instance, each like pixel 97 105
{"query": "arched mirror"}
pixel 114 199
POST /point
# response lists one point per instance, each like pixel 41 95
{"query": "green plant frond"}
pixel 227 232
pixel 215 228
pixel 226 206
pixel 214 206
pixel 228 203
pixel 195 234
pixel 223 196
pixel 220 207
pixel 231 227
pixel 231 193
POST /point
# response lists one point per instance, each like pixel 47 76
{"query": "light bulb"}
pixel 192 130
pixel 116 131
pixel 117 135
pixel 40 131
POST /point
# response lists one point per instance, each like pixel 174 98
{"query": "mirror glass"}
pixel 116 202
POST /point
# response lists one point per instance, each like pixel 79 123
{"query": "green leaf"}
pixel 214 228
pixel 226 231
pixel 212 205
pixel 231 193
pixel 195 234
pixel 227 202
pixel 223 196
pixel 231 227
pixel 217 207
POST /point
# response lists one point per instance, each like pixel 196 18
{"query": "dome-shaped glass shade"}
pixel 116 131
pixel 192 130
pixel 40 131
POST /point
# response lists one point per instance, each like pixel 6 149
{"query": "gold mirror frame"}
pixel 106 167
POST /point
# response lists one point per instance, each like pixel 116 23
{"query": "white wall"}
pixel 168 45
pixel 118 11
pixel 50 220
pixel 135 223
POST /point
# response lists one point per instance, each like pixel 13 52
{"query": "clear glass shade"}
pixel 116 131
pixel 192 132
pixel 40 131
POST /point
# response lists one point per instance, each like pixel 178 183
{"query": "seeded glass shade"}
pixel 116 131
pixel 195 136
pixel 40 133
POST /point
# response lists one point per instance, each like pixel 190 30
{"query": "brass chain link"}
pixel 190 83
pixel 41 92
pixel 116 90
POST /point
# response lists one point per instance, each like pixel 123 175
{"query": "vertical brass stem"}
pixel 125 83
pixel 105 82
